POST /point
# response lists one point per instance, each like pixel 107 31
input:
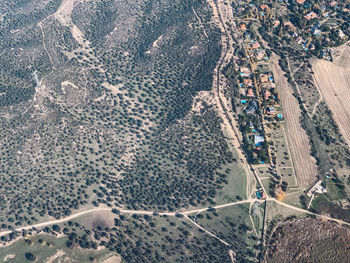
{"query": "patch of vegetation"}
pixel 308 240
pixel 332 141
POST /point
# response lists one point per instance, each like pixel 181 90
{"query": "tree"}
pixel 29 256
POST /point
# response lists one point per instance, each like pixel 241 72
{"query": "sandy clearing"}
pixel 115 89
pixel 113 259
pixel 63 15
pixel 298 141
pixel 232 255
pixel 58 254
pixel 10 256
pixel 155 43
pixel 334 83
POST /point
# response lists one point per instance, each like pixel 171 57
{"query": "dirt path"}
pixel 232 255
pixel 141 212
pixel 251 219
pixel 200 22
pixel 296 84
pixel 206 231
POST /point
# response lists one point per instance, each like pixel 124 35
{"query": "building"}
pixel 276 23
pixel 317 188
pixel 258 139
pixel 245 72
pixel 242 27
pixel 248 82
pixel 250 93
pixel 267 94
pixel 264 78
pixel 271 110
pixel 252 108
pixel 264 6
pixel 310 16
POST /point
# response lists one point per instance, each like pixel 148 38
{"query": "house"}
pixel 242 27
pixel 245 72
pixel 333 4
pixel 316 188
pixel 300 2
pixel 250 93
pixel 248 82
pixel 310 15
pixel 276 23
pixel 271 110
pixel 267 94
pixel 252 108
pixel 261 55
pixel 264 78
pixel 317 32
pixel 264 6
pixel 258 139
pixel 255 45
pixel 341 33
pixel 299 40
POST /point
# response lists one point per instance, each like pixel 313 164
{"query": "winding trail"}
pixel 200 22
pixel 206 231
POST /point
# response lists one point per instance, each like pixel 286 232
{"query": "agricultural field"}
pixel 298 141
pixel 333 80
pixel 280 149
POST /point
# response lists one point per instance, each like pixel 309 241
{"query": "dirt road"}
pixel 101 209
pixel 224 106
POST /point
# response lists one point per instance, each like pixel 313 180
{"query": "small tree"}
pixel 30 256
